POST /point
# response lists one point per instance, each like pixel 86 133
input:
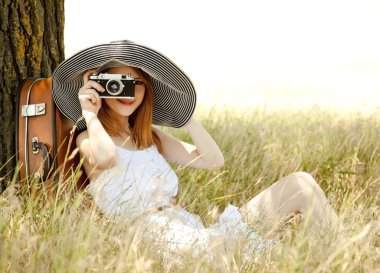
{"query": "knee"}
pixel 302 182
pixel 304 177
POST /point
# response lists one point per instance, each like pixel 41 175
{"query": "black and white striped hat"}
pixel 174 94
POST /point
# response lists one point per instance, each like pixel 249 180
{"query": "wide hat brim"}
pixel 174 97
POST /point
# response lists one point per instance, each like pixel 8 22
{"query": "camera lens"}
pixel 114 87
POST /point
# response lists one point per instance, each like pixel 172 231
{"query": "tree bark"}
pixel 31 45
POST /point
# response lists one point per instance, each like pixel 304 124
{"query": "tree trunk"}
pixel 31 45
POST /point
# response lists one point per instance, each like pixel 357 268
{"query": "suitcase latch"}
pixel 36 145
pixel 33 110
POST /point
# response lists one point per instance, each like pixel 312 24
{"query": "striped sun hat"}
pixel 174 94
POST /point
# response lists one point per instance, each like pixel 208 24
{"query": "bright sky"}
pixel 294 53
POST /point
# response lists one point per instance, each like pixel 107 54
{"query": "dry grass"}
pixel 341 151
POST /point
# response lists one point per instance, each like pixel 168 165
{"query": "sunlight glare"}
pixel 244 53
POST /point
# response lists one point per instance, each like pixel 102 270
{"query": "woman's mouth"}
pixel 126 101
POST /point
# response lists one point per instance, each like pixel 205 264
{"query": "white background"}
pixel 281 54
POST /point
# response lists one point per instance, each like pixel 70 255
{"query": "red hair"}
pixel 140 121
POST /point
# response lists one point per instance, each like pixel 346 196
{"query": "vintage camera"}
pixel 117 86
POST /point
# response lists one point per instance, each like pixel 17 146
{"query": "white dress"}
pixel 142 184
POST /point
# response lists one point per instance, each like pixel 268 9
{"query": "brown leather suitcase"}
pixel 45 139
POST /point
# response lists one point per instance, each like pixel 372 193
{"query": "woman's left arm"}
pixel 205 154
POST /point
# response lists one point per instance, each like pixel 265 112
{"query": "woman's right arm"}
pixel 95 144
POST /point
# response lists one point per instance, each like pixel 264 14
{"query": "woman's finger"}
pixel 87 75
pixel 87 97
pixel 93 86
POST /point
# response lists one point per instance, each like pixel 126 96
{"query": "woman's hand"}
pixel 89 98
pixel 95 144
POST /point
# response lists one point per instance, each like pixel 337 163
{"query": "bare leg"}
pixel 293 194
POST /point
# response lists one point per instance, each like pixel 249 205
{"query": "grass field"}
pixel 342 152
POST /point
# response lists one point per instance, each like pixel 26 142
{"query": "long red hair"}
pixel 140 121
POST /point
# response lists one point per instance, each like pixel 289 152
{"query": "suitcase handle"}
pixel 36 146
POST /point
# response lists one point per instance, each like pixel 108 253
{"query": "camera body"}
pixel 117 86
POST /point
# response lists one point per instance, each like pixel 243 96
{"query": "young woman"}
pixel 126 158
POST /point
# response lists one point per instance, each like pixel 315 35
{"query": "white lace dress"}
pixel 142 183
